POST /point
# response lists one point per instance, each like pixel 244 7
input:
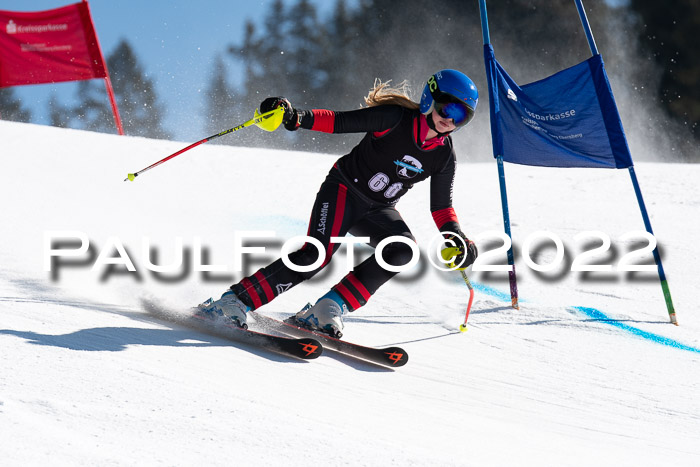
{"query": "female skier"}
pixel 406 142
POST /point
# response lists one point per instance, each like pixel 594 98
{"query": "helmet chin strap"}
pixel 431 125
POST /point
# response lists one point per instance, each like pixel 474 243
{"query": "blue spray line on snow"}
pixel 493 292
pixel 602 317
pixel 599 316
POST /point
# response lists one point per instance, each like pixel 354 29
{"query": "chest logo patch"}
pixel 408 167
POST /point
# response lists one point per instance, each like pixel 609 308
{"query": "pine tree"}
pixel 140 111
pixel 269 57
pixel 139 108
pixel 221 106
pixel 304 43
pixel 287 56
pixel 93 111
pixel 253 55
pixel 59 114
pixel 11 107
pixel 342 53
pixel 665 30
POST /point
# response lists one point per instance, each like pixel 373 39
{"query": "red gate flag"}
pixel 49 46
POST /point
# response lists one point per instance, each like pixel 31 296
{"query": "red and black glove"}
pixel 291 118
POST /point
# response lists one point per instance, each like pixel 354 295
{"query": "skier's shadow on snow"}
pixel 117 339
pixel 110 339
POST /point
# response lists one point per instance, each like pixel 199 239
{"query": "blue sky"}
pixel 176 42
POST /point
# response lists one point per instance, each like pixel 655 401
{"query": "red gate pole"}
pixel 113 101
pixel 108 82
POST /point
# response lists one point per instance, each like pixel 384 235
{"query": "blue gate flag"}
pixel 569 119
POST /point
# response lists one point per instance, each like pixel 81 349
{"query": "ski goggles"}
pixel 458 111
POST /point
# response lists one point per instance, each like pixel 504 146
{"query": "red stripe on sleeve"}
pixel 443 216
pixel 347 296
pixel 265 286
pixel 251 292
pixel 359 286
pixel 324 120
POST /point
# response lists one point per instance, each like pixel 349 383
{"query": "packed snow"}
pixel 588 371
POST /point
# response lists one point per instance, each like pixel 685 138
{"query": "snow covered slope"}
pixel 587 372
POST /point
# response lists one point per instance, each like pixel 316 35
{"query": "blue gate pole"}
pixel 635 183
pixel 501 171
pixel 586 27
pixel 657 258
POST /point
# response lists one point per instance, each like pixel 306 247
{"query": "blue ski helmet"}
pixel 452 94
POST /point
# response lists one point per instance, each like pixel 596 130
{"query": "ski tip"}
pixel 309 348
pixel 396 356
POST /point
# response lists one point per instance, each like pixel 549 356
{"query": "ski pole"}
pixel 269 121
pixel 463 326
pixel 449 254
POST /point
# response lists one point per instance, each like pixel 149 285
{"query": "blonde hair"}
pixel 384 94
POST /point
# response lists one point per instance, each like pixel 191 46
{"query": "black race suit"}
pixel 358 197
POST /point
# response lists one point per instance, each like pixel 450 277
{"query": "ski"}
pixel 304 347
pixel 390 356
